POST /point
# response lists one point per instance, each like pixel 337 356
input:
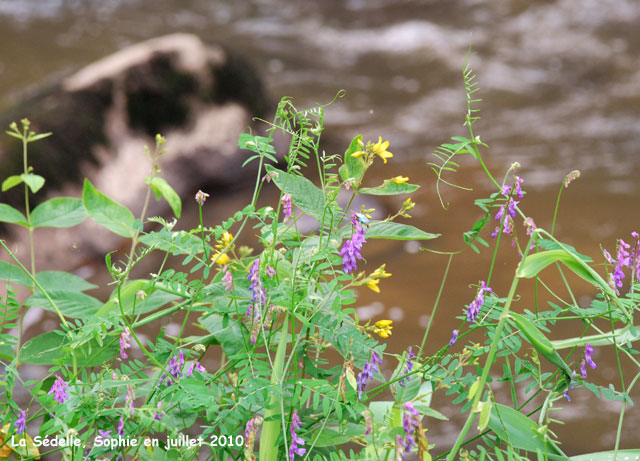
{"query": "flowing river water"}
pixel 560 84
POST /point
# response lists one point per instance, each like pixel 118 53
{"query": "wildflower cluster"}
pixel 59 390
pixel 295 448
pixel 351 249
pixel 366 375
pixel 408 367
pixel 627 256
pixel 286 206
pixel 507 211
pixel 410 422
pixel 588 352
pixel 371 150
pixel 223 243
pixel 476 305
pixel 374 279
pixel 383 328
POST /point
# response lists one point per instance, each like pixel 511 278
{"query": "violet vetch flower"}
pixel 410 422
pixel 131 396
pixel 104 434
pixel 367 421
pixel 295 448
pixel 197 366
pixel 258 294
pixel 21 423
pixel 174 368
pixel 626 256
pixel 157 415
pixel 59 390
pixel 250 431
pixel 370 368
pixel 408 367
pixel 507 212
pixel 124 343
pixel 271 272
pixel 476 305
pixel 588 352
pixel 454 337
pixel 120 430
pixel 350 251
pixel 201 197
pixel 227 280
pixel 286 206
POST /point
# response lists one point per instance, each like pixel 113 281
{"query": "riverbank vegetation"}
pixel 297 375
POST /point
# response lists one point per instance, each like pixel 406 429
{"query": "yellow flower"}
pixel 222 259
pixel 380 149
pixel 373 285
pixel 383 328
pixel 225 240
pixel 400 179
pixel 380 273
pixel 360 153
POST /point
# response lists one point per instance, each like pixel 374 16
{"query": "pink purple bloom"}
pixel 507 212
pixel 408 367
pixel 131 396
pixel 59 390
pixel 476 305
pixel 104 434
pixel 370 368
pixel 201 197
pixel 410 422
pixel 271 272
pixel 21 422
pixel 124 343
pixel 350 251
pixel 454 337
pixel 286 206
pixel 227 280
pixel 626 256
pixel 157 415
pixel 174 368
pixel 588 359
pixel 120 430
pixel 197 367
pixel 250 431
pixel 367 421
pixel 295 448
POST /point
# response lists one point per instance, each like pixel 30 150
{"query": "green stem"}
pixel 435 305
pixel 272 424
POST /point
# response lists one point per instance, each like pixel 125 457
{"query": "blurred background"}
pixel 560 84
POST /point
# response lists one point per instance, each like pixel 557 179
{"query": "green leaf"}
pixel 397 231
pixel 353 167
pixel 230 333
pixel 519 431
pixel 55 280
pixel 608 455
pixel 485 413
pixel 304 194
pixel 59 212
pixel 257 144
pixel 10 182
pixel 13 274
pixel 532 265
pixel 11 215
pixel 390 188
pixel 128 297
pixel 72 304
pixel 34 181
pixel 108 213
pixel 52 347
pixel 161 188
pixel 540 342
pixel 381 411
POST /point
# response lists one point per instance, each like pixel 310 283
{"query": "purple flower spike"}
pixel 21 423
pixel 410 423
pixel 295 447
pixel 350 251
pixel 124 343
pixel 454 337
pixel 476 305
pixel 286 206
pixel 408 367
pixel 120 430
pixel 59 390
pixel 227 280
pixel 369 370
pixel 588 352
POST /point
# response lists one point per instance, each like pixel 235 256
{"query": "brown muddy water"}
pixel 560 83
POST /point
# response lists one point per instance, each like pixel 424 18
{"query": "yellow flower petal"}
pixel 360 153
pixel 373 285
pixel 222 259
pixel 384 323
pixel 400 179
